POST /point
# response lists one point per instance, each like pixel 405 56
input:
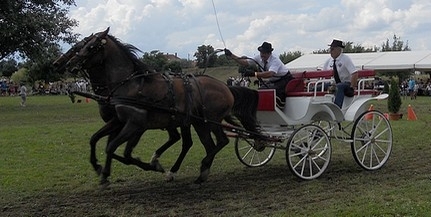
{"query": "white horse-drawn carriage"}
pixel 309 121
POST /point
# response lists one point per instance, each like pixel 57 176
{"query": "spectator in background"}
pixel 428 89
pixel 23 94
pixel 415 90
pixel 412 84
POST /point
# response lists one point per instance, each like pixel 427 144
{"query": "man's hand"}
pixel 227 52
pixel 349 92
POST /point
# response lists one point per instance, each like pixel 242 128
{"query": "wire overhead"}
pixel 218 25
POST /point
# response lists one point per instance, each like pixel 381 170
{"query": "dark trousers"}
pixel 279 86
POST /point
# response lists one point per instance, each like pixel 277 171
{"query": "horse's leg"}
pixel 131 144
pixel 187 144
pixel 174 136
pixel 134 120
pixel 204 133
pixel 128 159
pixel 111 128
pixel 125 134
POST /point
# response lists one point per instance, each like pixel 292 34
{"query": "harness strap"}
pixel 200 95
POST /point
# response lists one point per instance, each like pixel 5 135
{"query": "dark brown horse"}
pixel 113 125
pixel 147 100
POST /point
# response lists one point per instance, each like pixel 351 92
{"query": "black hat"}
pixel 336 43
pixel 265 47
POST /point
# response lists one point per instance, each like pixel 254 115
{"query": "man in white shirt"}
pixel 272 69
pixel 345 73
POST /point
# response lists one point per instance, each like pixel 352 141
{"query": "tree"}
pixel 41 67
pixel 397 45
pixel 204 56
pixel 30 27
pixel 155 59
pixel 223 60
pixel 20 76
pixel 174 66
pixel 8 67
pixel 289 56
pixel 349 48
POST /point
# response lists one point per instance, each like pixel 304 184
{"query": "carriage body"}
pixel 309 121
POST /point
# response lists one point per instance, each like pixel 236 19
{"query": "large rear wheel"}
pixel 372 140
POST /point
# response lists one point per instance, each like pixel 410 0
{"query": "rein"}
pixel 260 68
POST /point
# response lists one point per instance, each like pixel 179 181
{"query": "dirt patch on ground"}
pixel 265 191
pixel 243 192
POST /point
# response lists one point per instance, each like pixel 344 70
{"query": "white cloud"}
pixel 180 26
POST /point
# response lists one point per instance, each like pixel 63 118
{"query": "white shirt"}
pixel 345 67
pixel 274 64
pixel 23 91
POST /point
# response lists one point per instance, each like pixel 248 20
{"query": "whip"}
pixel 218 25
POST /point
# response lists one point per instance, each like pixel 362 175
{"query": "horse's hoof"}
pixel 199 181
pixel 99 170
pixel 154 158
pixel 104 184
pixel 157 166
pixel 170 176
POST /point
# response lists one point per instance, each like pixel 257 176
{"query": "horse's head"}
pixel 87 54
pixel 60 63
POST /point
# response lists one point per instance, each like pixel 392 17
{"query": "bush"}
pixel 394 100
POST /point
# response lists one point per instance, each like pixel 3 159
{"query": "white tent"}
pixel 379 61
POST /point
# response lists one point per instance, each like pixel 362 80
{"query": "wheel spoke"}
pixel 376 156
pixel 247 153
pixel 365 153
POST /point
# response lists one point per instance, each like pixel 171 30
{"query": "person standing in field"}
pixel 412 84
pixel 23 94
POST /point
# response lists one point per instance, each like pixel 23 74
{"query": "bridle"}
pixel 97 46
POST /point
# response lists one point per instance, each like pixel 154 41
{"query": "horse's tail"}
pixel 245 107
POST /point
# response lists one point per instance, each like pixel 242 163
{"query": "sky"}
pixel 181 26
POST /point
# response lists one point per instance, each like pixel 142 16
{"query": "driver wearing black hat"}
pixel 272 69
pixel 345 73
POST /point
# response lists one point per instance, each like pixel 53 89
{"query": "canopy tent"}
pixel 379 61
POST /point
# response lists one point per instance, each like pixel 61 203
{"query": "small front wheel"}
pixel 251 154
pixel 308 152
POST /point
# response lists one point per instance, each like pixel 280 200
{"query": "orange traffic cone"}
pixel 369 116
pixel 87 100
pixel 411 116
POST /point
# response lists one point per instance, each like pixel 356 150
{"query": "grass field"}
pixel 45 171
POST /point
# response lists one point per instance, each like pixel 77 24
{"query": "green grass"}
pixel 45 171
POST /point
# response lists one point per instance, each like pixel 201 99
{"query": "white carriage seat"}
pixel 298 110
pixel 267 111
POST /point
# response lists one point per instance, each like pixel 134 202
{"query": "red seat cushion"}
pixel 266 100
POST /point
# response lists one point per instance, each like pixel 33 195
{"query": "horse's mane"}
pixel 131 52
